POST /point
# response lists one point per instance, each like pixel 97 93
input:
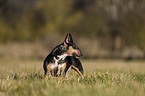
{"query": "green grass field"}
pixel 101 78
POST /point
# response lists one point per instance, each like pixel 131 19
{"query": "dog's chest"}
pixel 58 60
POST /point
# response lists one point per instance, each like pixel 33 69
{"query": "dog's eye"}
pixel 62 48
pixel 75 47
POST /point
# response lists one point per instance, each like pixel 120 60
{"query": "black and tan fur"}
pixel 66 55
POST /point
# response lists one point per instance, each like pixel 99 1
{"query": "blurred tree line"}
pixel 114 23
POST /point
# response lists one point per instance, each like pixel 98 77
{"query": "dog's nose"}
pixel 81 54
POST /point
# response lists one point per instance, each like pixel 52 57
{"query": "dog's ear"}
pixel 68 39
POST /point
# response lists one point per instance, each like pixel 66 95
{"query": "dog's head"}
pixel 67 47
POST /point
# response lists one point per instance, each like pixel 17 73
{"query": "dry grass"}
pixel 102 78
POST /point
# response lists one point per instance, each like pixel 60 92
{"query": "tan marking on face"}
pixel 71 51
pixel 77 70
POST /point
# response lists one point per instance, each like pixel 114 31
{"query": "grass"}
pixel 101 78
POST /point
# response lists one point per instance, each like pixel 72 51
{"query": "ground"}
pixel 24 77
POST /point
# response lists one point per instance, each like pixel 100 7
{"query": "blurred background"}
pixel 101 28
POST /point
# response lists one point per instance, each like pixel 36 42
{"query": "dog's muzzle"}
pixel 78 54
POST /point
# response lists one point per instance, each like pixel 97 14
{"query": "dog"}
pixel 63 58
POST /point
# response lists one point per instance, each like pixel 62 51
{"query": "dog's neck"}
pixel 60 58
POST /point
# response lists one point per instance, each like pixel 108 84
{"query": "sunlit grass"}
pixel 28 79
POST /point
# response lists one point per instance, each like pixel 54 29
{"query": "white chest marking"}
pixel 59 68
pixel 61 57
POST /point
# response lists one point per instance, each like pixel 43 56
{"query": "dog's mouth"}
pixel 76 55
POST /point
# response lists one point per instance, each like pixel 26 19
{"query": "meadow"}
pixel 24 77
